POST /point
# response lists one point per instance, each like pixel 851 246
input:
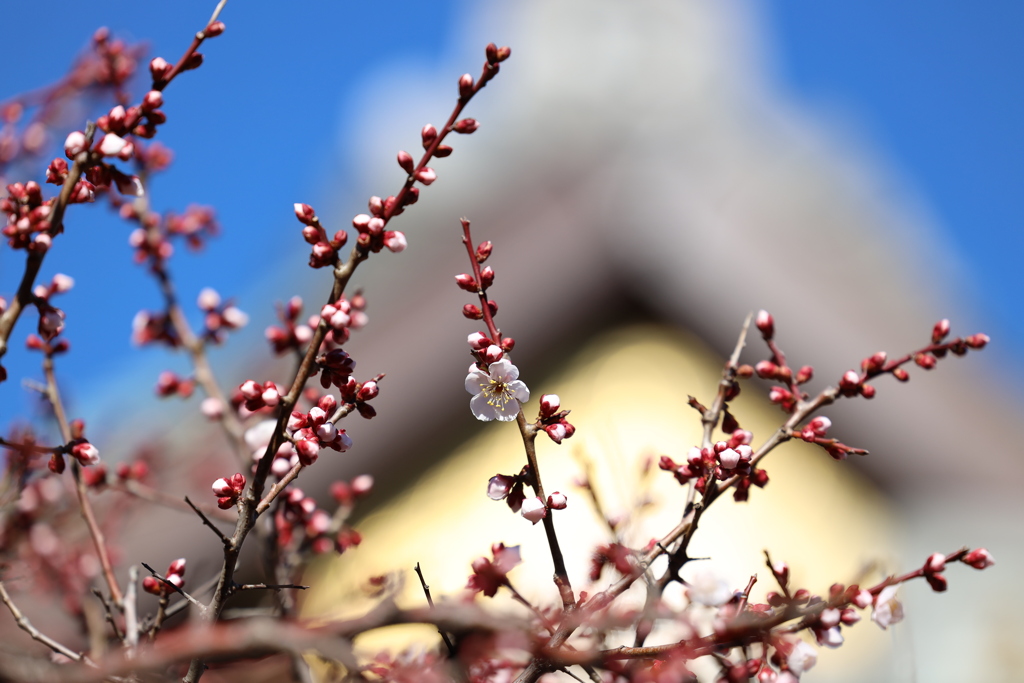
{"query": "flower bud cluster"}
pixel 315 430
pixel 256 396
pixel 815 431
pixel 325 249
pixel 552 418
pixel 27 217
pixel 135 471
pixel 291 335
pixel 300 524
pixel 346 493
pixel 170 384
pixel 228 489
pixel 152 326
pixel 342 316
pixel 220 317
pixel 175 576
pixel 725 459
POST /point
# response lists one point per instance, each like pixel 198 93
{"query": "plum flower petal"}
pixel 497 392
pixel 888 609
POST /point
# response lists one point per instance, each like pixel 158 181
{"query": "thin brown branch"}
pixel 25 625
pixel 99 542
pixel 430 601
pixel 206 520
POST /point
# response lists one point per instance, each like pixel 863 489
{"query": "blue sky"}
pixel 935 86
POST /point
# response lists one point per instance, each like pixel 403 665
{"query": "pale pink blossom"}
pixel 74 144
pixel 208 299
pixel 802 657
pixel 497 393
pixel 211 407
pixel 707 587
pixel 888 609
pixel 534 509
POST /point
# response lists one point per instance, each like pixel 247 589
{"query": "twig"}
pixel 110 614
pixel 267 586
pixel 25 625
pixel 131 618
pixel 100 543
pixel 430 601
pixel 206 520
pixel 276 489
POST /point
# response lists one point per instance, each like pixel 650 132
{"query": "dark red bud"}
pixel 472 312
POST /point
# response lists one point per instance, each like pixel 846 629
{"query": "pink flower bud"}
pixel 368 391
pixel 849 380
pixel 86 453
pixel 549 404
pixel 557 432
pixel 154 99
pixel 483 251
pixel 925 360
pixel 208 299
pixel 250 389
pixel 979 559
pixel 534 509
pixel 362 485
pixel 74 144
pixel 940 331
pixel 729 459
pixel 499 486
pixel 405 161
pixel 308 450
pixel 472 312
pixel 326 432
pixel 557 501
pixel 820 425
pixel 395 241
pixel 111 145
pixel 486 276
pixel 977 341
pixel 426 175
pixel 62 283
pixel 765 323
pixel 318 523
pixel 766 369
pixel 305 213
pixel 429 134
pixel 493 353
pixel 214 29
pixel 177 567
pixel 478 341
pixel 221 487
pixel 935 563
pixel 863 599
pixel 466 126
pixel 212 408
pixel 830 617
pixel 465 86
pixel 466 281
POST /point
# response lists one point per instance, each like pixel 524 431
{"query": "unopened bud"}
pixel 977 341
pixel 465 86
pixel 472 312
pixel 493 353
pixel 405 161
pixel 305 213
pixel 429 134
pixel 466 281
pixel 534 509
pixel 483 251
pixel 549 404
pixel 940 331
pixel 557 501
pixel 466 126
pixel 426 175
pixel 486 276
pixel 765 323
pixel 478 341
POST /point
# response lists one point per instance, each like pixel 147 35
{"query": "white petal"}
pixel 504 371
pixel 476 380
pixel 519 390
pixel 506 412
pixel 482 410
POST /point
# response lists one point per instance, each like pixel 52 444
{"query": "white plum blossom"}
pixel 497 393
pixel 802 657
pixel 706 587
pixel 888 609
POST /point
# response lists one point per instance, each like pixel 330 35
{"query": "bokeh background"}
pixel 650 172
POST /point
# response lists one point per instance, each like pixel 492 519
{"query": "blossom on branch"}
pixel 497 391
